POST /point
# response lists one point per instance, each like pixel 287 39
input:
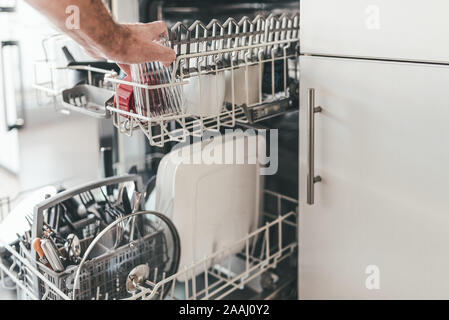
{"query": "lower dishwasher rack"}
pixel 264 249
pixel 217 276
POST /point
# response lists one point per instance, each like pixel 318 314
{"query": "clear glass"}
pixel 159 101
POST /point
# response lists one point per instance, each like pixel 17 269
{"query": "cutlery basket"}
pixel 56 285
pixel 104 277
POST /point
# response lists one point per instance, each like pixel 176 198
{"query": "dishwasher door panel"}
pixel 379 227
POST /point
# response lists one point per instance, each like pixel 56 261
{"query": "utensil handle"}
pixel 37 247
pixel 38 220
pixel 311 178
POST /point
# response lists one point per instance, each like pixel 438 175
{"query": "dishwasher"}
pixel 236 69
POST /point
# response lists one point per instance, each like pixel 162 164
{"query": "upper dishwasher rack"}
pixel 221 46
pixel 224 74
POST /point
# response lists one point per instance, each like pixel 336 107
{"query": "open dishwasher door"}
pixel 238 237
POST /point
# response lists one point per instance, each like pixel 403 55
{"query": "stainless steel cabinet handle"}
pixel 19 123
pixel 8 9
pixel 311 178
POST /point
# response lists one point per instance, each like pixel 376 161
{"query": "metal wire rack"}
pixel 35 280
pixel 52 75
pixel 224 73
pixel 214 277
pixel 263 250
pixel 257 57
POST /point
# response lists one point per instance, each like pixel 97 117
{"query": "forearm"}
pixel 96 29
pixel 101 36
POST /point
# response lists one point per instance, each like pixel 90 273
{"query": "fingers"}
pixel 162 53
pixel 150 31
pixel 125 68
pixel 138 46
pixel 167 64
pixel 158 28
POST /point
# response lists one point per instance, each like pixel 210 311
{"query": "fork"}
pixel 89 202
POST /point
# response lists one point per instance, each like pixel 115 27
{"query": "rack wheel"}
pixel 268 280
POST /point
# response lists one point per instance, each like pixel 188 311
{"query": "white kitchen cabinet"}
pixel 382 151
pixel 389 29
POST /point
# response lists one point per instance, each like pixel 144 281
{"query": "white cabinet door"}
pixel 390 29
pixel 381 211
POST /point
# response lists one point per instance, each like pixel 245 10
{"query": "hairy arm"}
pixel 101 36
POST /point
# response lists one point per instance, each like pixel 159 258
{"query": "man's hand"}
pixel 148 36
pixel 102 37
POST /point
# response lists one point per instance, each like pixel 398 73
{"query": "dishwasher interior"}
pixel 236 68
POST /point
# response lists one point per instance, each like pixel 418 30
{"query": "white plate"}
pixel 212 205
